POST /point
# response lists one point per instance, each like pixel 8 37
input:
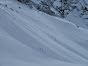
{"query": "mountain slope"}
pixel 29 37
pixel 68 9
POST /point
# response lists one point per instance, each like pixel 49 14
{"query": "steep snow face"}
pixel 76 19
pixel 80 14
pixel 29 37
pixel 77 9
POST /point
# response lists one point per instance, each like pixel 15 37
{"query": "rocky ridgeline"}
pixel 60 8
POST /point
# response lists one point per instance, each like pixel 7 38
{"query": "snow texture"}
pixel 32 38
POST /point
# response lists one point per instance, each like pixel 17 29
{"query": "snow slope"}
pixel 79 21
pixel 32 38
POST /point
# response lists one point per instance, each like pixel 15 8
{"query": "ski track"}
pixel 43 37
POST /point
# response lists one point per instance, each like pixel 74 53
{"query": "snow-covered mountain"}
pixel 33 38
pixel 68 9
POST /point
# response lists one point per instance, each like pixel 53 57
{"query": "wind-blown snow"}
pixel 32 38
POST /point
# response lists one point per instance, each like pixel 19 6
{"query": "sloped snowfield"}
pixel 32 38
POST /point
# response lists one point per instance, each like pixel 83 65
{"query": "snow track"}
pixel 29 37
